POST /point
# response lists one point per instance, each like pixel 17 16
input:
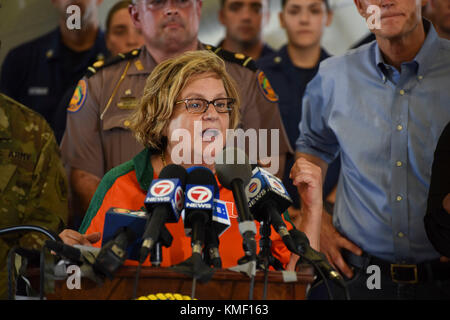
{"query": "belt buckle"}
pixel 411 267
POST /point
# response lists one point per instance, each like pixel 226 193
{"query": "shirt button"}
pixel 402 92
pixel 399 127
pixel 399 163
pixel 400 234
pixel 126 123
pixel 399 198
pixel 420 77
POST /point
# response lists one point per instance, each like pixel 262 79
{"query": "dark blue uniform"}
pixel 266 50
pixel 39 72
pixel 289 82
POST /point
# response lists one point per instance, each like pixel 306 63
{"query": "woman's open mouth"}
pixel 209 135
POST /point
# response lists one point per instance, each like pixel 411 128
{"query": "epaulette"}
pixel 238 58
pixel 100 64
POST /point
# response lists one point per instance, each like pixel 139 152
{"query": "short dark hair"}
pixel 118 6
pixel 222 3
pixel 283 3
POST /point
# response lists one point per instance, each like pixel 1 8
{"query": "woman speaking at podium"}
pixel 193 96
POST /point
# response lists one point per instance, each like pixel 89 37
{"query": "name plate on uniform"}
pixel 127 103
pixel 37 91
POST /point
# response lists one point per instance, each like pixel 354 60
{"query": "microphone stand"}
pixel 194 266
pixel 265 256
pixel 165 239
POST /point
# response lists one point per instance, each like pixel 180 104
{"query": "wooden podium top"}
pixel 224 285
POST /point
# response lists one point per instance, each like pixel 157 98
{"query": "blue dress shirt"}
pixel 386 126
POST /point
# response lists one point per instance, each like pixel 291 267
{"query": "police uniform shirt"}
pixel 38 73
pixel 97 137
pixel 289 82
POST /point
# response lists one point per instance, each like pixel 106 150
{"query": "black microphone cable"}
pixel 136 280
pixel 13 229
pixel 316 267
pixel 300 250
pixel 29 228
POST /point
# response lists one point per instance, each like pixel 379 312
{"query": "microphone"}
pixel 77 255
pixel 199 205
pixel 165 201
pixel 218 224
pixel 234 173
pixel 114 253
pixel 96 262
pixel 267 200
pixel 318 258
pixel 198 208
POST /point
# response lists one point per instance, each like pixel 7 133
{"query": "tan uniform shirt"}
pixel 97 138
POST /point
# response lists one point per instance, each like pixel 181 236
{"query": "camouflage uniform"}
pixel 33 184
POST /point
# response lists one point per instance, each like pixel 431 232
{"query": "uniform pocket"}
pixel 7 172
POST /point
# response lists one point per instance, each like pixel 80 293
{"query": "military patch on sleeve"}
pixel 266 87
pixel 79 97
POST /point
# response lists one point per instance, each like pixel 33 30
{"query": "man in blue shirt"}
pixel 291 68
pixel 382 107
pixel 39 72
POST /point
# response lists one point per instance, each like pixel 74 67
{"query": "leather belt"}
pixel 402 273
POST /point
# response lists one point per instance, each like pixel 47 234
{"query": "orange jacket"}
pixel 126 187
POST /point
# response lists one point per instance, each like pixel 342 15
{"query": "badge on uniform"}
pixel 266 87
pixel 79 97
pixel 127 102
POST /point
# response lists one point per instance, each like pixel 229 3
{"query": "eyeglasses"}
pixel 198 105
pixel 159 4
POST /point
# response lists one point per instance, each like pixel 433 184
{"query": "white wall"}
pixel 347 27
pixel 23 20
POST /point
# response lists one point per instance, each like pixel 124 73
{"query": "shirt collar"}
pixel 55 44
pixel 424 58
pixel 145 63
pixel 284 55
pixel 143 167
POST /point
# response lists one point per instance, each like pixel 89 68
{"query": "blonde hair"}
pixel 163 87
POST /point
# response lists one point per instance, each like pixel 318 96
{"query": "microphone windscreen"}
pixel 201 176
pixel 174 171
pixel 232 164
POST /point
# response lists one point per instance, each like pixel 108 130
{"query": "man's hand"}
pixel 72 237
pixel 331 243
pixel 307 177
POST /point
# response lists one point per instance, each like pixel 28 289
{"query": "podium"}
pixel 224 285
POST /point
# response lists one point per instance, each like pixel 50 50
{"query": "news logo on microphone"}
pixel 199 197
pixel 264 185
pixel 166 191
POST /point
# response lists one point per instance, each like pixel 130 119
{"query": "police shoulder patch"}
pixel 266 87
pixel 79 97
pixel 238 58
